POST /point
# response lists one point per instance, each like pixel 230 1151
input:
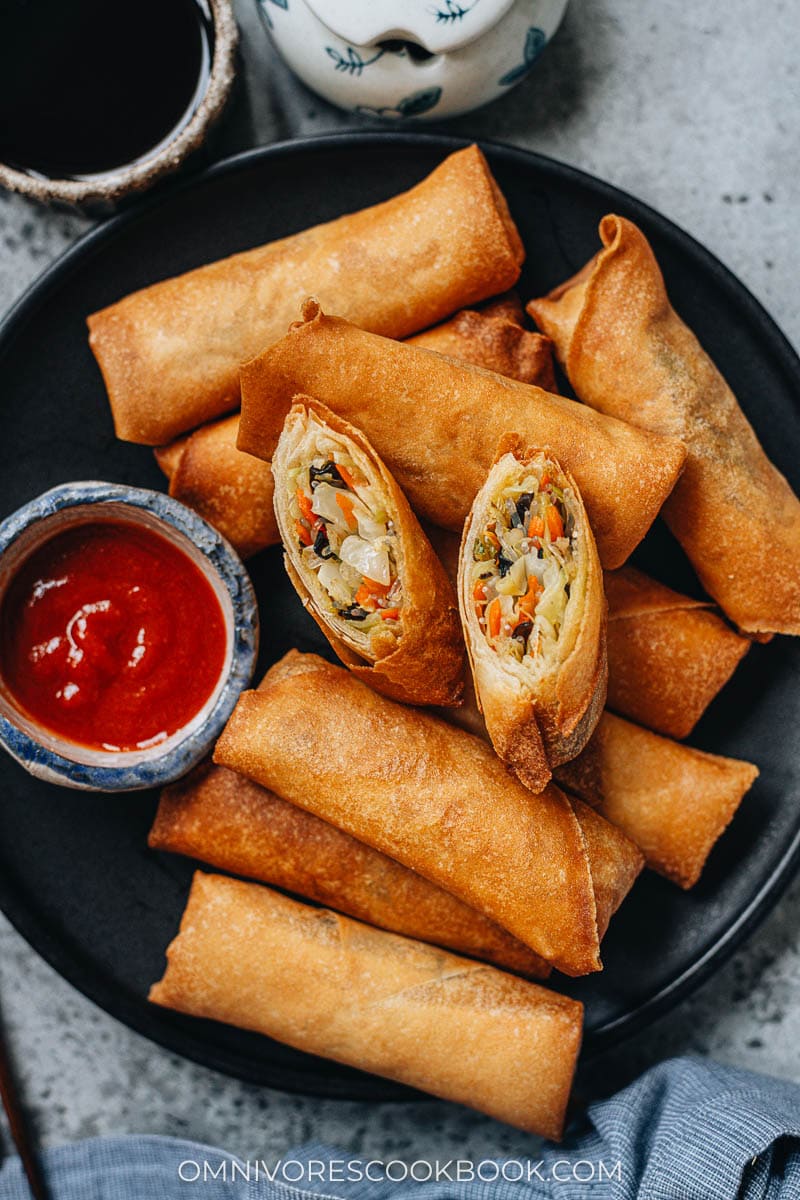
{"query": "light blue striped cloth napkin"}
pixel 686 1130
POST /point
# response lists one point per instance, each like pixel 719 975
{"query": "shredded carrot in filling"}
pixel 523 566
pixel 345 535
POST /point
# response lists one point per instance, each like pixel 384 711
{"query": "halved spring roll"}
pixel 673 801
pixel 436 423
pixel 628 354
pixel 428 795
pixel 233 490
pixel 533 612
pixel 170 353
pixel 668 655
pixel 360 562
pixel 329 985
pixel 229 822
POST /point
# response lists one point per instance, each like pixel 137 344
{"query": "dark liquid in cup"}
pixel 90 85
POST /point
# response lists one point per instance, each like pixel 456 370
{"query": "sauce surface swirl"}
pixel 111 636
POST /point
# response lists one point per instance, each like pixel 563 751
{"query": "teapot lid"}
pixel 437 25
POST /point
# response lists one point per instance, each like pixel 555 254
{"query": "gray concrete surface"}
pixel 694 108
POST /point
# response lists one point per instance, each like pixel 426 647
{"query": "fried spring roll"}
pixel 429 795
pixel 628 354
pixel 329 985
pixel 360 562
pixel 231 823
pixel 668 655
pixel 671 800
pixel 533 612
pixel 233 490
pixel 169 457
pixel 494 338
pixel 170 353
pixel 615 861
pixel 436 424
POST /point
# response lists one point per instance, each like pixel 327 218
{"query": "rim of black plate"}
pixel 164 1028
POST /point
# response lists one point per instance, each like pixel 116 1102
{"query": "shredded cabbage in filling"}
pixel 523 567
pixel 345 535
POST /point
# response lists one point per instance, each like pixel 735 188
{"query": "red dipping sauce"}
pixel 111 636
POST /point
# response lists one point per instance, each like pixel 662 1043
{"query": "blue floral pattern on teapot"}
pixel 415 59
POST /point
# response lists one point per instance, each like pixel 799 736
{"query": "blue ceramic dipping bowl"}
pixel 58 760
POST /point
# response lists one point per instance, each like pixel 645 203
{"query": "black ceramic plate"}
pixel 76 877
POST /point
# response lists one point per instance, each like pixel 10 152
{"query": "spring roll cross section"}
pixel 170 353
pixel 231 823
pixel 672 800
pixel 436 424
pixel 668 655
pixel 627 353
pixel 360 562
pixel 533 611
pixel 429 795
pixel 331 986
pixel 233 490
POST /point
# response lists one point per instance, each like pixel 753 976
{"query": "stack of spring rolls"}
pixel 472 792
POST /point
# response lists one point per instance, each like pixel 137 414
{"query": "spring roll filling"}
pixel 346 538
pixel 523 567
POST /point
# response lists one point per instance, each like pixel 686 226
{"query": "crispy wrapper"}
pixel 538 713
pixel 420 658
pixel 494 338
pixel 170 353
pixel 233 490
pixel 430 796
pixel 628 354
pixel 329 985
pixel 436 424
pixel 231 823
pixel 168 457
pixel 668 655
pixel 615 861
pixel 672 800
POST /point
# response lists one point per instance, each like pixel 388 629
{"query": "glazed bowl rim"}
pixel 96 770
pixel 163 159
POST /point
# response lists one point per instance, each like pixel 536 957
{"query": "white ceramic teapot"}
pixel 411 58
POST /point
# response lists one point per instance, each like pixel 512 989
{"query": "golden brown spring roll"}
pixel 533 612
pixel 229 822
pixel 169 456
pixel 329 985
pixel 436 424
pixel 672 800
pixel 233 490
pixel 170 353
pixel 628 354
pixel 494 338
pixel 360 562
pixel 614 859
pixel 668 655
pixel 430 796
